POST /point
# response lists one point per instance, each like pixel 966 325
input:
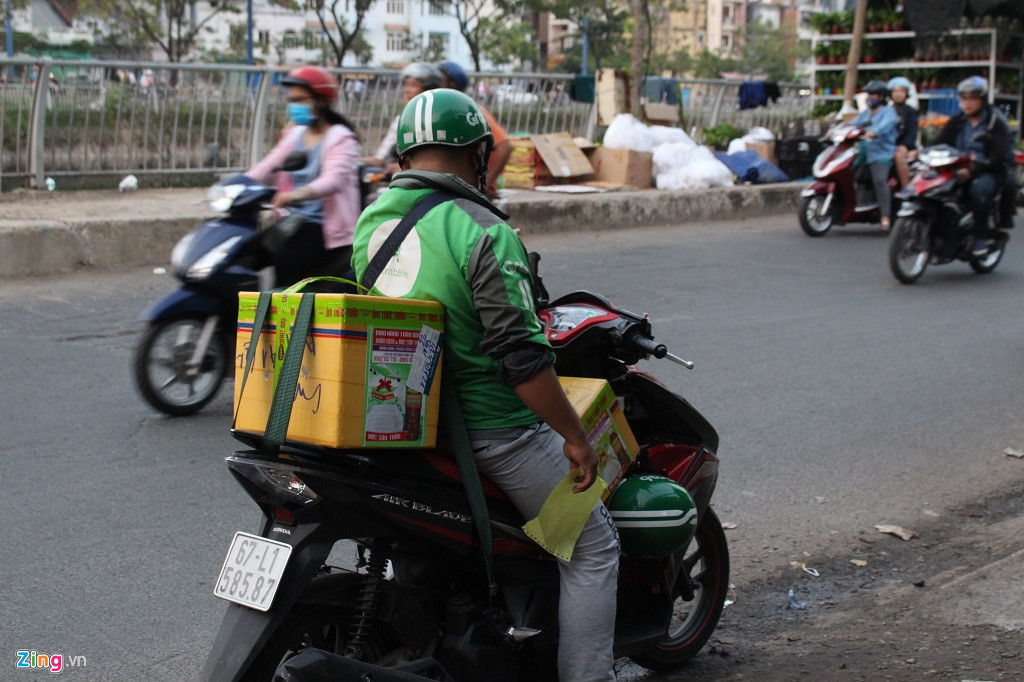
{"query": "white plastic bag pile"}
pixel 756 134
pixel 679 162
pixel 689 166
pixel 626 132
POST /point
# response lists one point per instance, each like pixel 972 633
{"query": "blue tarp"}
pixel 750 167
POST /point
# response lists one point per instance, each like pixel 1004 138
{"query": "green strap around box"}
pixel 288 377
pixel 258 320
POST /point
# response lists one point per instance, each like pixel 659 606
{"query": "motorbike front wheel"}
pixel 707 567
pixel 908 249
pixel 813 220
pixel 161 366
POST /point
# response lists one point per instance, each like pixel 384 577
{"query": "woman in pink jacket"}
pixel 324 195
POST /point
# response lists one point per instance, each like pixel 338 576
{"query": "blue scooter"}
pixel 188 347
pixel 189 342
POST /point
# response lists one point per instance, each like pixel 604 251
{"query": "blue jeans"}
pixel 982 194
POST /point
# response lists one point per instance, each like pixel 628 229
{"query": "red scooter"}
pixel 935 224
pixel 836 197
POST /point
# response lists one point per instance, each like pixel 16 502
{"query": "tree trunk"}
pixel 636 61
pixel 853 59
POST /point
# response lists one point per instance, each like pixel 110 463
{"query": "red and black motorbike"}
pixel 838 196
pixel 935 223
pixel 418 602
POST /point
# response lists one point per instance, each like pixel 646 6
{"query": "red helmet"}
pixel 315 79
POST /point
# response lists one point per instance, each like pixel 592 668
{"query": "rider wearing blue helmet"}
pixel 456 79
pixel 906 129
pixel 982 131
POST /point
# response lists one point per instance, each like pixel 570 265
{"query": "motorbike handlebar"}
pixel 648 346
pixel 657 350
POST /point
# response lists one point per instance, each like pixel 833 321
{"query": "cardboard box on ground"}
pixel 622 167
pixel 365 359
pixel 606 425
pixel 542 160
pixel 766 150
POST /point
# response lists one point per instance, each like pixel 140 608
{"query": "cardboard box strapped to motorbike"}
pixel 607 429
pixel 367 377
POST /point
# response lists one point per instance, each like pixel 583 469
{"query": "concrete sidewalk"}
pixel 46 233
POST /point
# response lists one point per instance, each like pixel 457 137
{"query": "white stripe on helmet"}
pixel 428 116
pixel 417 124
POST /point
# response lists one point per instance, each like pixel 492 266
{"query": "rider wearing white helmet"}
pixel 906 130
pixel 415 78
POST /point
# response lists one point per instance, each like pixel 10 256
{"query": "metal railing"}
pixel 98 118
pixel 706 103
pixel 107 117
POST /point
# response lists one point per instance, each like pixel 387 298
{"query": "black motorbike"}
pixel 417 605
pixel 935 224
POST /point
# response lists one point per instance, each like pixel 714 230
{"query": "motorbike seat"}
pixel 447 466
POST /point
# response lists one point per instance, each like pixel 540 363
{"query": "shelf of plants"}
pixel 934 63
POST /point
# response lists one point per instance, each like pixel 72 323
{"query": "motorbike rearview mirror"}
pixel 296 160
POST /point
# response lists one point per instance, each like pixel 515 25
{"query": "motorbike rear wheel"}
pixel 812 220
pixel 987 263
pixel 161 362
pixel 707 566
pixel 908 249
pixel 322 622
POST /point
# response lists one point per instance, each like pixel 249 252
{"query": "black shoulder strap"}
pixel 398 235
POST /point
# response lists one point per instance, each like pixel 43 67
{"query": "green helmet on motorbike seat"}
pixel 655 516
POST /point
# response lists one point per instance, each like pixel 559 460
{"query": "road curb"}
pixel 51 247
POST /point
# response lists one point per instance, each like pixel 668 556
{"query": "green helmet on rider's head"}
pixel 442 117
pixel 655 516
pixel 446 118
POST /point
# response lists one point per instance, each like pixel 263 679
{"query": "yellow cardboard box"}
pixel 364 361
pixel 609 433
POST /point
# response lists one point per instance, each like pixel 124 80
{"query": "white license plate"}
pixel 252 571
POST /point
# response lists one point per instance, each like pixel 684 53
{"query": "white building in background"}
pixel 280 36
pixel 59 23
pixel 391 27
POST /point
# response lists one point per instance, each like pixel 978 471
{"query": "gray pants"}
pixel 879 173
pixel 527 463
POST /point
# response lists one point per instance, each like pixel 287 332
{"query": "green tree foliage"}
pixel 607 22
pixel 342 23
pixel 165 23
pixel 771 51
pixel 433 49
pixel 485 26
pixel 711 65
pixel 506 41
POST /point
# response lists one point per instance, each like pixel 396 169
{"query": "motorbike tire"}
pixel 908 249
pixel 710 558
pixel 987 263
pixel 811 220
pixel 321 620
pixel 157 388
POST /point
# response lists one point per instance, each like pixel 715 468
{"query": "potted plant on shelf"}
pixel 844 22
pixel 868 51
pixel 822 22
pixel 873 20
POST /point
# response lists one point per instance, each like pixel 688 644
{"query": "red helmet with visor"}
pixel 315 79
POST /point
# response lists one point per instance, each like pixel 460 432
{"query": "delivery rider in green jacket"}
pixel 526 436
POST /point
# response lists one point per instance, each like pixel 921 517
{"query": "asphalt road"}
pixel 843 399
